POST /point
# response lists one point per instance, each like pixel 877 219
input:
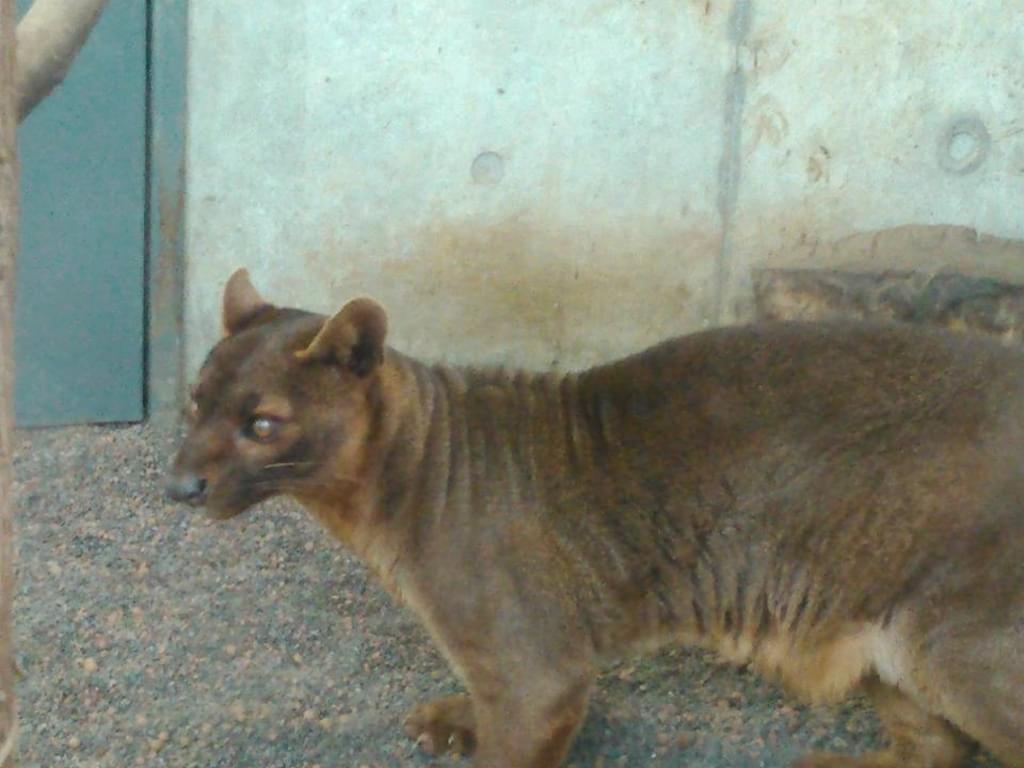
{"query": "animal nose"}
pixel 188 488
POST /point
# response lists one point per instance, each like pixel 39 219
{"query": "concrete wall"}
pixel 558 183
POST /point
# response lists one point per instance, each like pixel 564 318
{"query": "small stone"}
pixel 309 714
pixel 89 665
pixel 74 742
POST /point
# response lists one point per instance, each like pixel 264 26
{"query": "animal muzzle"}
pixel 187 488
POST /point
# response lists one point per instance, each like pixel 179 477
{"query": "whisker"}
pixel 289 484
pixel 280 464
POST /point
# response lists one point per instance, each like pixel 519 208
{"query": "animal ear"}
pixel 242 302
pixel 353 338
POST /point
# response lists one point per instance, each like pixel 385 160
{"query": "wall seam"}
pixel 731 164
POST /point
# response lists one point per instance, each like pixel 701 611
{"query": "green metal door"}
pixel 79 314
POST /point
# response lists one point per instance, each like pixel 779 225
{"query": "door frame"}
pixel 167 121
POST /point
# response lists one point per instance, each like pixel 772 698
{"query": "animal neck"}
pixel 449 443
pixel 466 437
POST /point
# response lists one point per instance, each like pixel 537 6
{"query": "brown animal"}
pixel 841 505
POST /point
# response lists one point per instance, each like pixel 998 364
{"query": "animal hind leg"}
pixel 917 739
pixel 964 644
pixel 980 672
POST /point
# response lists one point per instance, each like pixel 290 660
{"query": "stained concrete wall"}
pixel 558 183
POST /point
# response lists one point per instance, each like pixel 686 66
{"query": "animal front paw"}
pixel 443 725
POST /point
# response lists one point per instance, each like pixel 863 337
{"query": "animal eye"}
pixel 262 428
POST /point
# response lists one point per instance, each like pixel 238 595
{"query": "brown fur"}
pixel 839 505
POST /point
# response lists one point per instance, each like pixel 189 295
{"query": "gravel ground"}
pixel 149 636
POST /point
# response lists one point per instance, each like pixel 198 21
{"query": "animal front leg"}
pixel 532 725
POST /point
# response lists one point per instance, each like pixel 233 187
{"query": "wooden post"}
pixel 8 254
pixel 51 34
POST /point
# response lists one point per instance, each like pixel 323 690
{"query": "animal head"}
pixel 283 403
